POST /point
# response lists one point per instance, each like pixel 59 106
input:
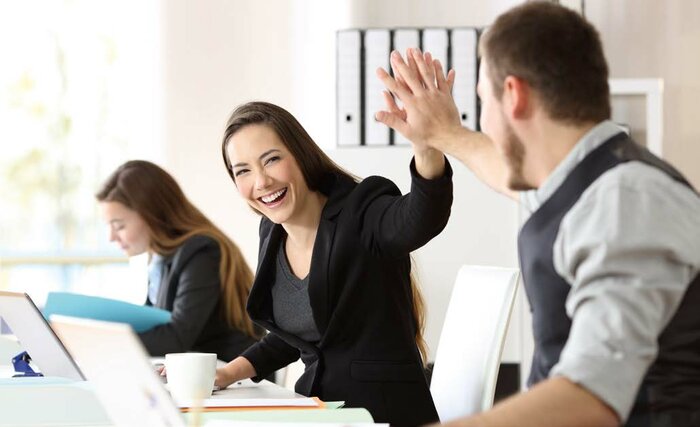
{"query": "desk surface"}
pixel 68 403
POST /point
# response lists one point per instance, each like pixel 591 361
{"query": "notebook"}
pixel 36 337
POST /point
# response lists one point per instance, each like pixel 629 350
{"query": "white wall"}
pixel 658 39
pixel 218 54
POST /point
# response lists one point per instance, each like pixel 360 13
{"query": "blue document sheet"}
pixel 140 317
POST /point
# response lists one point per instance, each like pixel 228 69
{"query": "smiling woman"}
pixel 330 246
pixel 268 176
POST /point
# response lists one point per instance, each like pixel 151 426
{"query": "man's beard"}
pixel 514 154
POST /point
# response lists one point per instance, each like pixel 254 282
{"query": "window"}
pixel 79 95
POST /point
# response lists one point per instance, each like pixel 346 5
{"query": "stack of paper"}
pixel 214 404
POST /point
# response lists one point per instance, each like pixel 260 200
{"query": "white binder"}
pixel 349 88
pixel 403 39
pixel 377 49
pixel 464 61
pixel 435 41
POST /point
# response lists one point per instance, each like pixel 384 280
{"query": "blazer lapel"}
pixel 259 305
pixel 165 286
pixel 319 278
pixel 337 189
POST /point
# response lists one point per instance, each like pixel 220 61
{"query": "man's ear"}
pixel 516 97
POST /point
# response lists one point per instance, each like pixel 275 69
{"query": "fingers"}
pixel 424 64
pixel 408 72
pixel 401 82
pixel 392 85
pixel 451 79
pixel 393 120
pixel 430 70
pixel 395 117
pixel 440 77
pixel 390 102
pixel 412 63
pixel 444 84
pixel 392 106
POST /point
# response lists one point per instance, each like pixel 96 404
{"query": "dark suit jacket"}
pixel 360 294
pixel 191 290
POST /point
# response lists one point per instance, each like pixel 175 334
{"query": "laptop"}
pixel 120 372
pixel 36 337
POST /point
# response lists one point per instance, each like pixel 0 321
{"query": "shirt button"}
pixel 618 355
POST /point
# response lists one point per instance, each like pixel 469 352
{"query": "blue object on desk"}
pixel 140 317
pixel 21 365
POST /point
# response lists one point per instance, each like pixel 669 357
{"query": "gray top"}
pixel 629 247
pixel 291 307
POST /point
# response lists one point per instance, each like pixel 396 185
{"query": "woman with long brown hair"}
pixel 195 271
pixel 333 284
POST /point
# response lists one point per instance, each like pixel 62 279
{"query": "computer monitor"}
pixel 36 336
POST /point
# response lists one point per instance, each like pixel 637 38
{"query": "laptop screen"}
pixel 120 372
pixel 36 336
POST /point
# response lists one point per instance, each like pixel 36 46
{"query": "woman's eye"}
pixel 272 159
pixel 240 172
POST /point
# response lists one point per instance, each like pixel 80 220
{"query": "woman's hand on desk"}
pixel 160 369
pixel 223 378
pixel 237 369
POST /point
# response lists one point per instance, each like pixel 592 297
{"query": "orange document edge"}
pixel 321 405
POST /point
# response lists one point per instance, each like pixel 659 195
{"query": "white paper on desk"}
pixel 249 403
pixel 225 423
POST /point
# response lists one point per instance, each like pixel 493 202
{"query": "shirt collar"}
pixel 533 199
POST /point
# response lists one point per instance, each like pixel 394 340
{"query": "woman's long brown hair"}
pixel 315 166
pixel 172 219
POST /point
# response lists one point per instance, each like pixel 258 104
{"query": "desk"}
pixel 36 401
pixel 46 401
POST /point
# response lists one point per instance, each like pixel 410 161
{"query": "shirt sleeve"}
pixel 629 247
pixel 270 354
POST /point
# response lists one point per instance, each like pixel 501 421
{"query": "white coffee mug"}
pixel 190 375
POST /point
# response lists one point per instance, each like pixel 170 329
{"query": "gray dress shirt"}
pixel 629 247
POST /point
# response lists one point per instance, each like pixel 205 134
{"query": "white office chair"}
pixel 469 353
pixel 291 374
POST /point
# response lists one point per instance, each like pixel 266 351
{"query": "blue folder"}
pixel 140 317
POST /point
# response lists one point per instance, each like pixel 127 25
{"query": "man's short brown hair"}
pixel 558 53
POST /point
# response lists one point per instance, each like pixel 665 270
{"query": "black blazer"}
pixel 191 290
pixel 360 294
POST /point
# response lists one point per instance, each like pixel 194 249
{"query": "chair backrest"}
pixel 469 353
pixel 291 374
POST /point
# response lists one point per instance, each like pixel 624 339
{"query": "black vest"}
pixel 670 392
